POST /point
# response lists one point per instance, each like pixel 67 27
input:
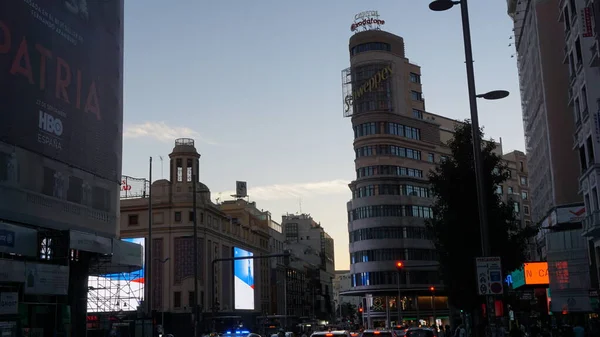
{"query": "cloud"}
pixel 294 191
pixel 162 132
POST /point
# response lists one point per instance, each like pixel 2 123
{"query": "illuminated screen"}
pixel 536 273
pixel 243 280
pixel 116 292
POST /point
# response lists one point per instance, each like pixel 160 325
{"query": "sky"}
pixel 257 84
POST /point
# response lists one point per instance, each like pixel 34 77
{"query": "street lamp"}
pixel 162 318
pixel 399 267
pixel 442 5
pixel 432 289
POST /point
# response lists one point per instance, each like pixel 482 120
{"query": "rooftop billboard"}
pixel 61 75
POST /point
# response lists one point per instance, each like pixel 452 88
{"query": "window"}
pixel 177 216
pixel 578 56
pixel 584 106
pixel 582 160
pixel 416 96
pixel 189 170
pixel 499 189
pixel 527 223
pixel 517 207
pixel 403 131
pixel 590 150
pixel 365 129
pixel 415 78
pixel 523 181
pixel 177 299
pixel 417 113
pixel 443 158
pixel 595 198
pixel 510 190
pixel 525 209
pixel 521 166
pixel 370 46
pixel 133 219
pixel 179 164
pixel 191 216
pixel 431 157
pixel 524 195
pixel 192 299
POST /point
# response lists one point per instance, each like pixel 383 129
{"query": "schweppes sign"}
pixel 370 85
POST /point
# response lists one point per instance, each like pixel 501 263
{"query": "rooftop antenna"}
pixel 162 176
pixel 300 204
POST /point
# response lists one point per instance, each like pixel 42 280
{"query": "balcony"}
pixel 594 59
pixel 591 225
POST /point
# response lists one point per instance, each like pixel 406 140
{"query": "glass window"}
pixel 415 78
pixel 431 157
pixel 416 96
pixel 417 113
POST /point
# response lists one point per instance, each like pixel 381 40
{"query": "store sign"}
pixel 517 278
pixel 18 240
pixel 46 279
pixel 536 273
pixel 587 29
pixel 9 303
pixel 368 20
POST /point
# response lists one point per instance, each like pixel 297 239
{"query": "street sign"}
pixel 489 276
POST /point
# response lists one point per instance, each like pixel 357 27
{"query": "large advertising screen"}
pixel 118 292
pixel 243 280
pixel 61 79
pixel 367 88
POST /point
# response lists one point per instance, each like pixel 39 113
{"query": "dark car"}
pixel 420 332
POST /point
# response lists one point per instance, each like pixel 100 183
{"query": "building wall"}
pixel 312 253
pixel 172 236
pixel 547 119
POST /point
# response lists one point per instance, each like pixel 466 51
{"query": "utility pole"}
pixel 195 259
pixel 148 276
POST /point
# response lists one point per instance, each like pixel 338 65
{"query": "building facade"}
pixel 278 268
pixel 548 121
pixel 396 144
pixel 312 254
pixel 172 246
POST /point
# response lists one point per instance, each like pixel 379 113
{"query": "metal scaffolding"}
pixel 114 292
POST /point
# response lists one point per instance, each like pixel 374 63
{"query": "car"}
pixel 378 333
pixel 337 333
pixel 421 332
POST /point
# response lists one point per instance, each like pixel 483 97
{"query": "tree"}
pixel 455 221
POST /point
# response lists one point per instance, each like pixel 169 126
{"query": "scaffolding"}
pixel 114 292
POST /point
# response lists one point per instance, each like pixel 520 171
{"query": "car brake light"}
pixel 328 334
pixel 377 332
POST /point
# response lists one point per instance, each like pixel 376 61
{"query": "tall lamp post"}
pixel 162 318
pixel 399 267
pixel 443 5
pixel 432 289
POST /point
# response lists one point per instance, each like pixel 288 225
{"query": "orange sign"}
pixel 536 273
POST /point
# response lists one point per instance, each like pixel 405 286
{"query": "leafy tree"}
pixel 455 224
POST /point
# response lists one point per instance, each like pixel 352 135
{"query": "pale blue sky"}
pixel 258 85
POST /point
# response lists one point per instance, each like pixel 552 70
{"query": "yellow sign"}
pixel 373 82
pixel 370 85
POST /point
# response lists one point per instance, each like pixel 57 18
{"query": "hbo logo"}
pixel 50 124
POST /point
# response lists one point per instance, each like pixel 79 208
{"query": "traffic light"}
pixel 432 288
pixel 360 309
pixel 399 265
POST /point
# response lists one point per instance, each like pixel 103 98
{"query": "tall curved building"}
pixel 396 144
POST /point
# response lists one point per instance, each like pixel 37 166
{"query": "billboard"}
pixel 367 88
pixel 118 292
pixel 243 280
pixel 61 72
pixel 61 78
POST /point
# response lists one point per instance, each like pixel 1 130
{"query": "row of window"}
pixel 370 46
pixel 376 278
pixel 378 211
pixel 394 254
pixel 391 189
pixel 387 232
pixel 388 150
pixel 374 128
pixel 369 171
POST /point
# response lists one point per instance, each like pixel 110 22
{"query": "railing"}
pixel 132 188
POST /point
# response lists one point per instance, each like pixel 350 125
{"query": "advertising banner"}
pixel 18 240
pixel 9 303
pixel 243 278
pixel 89 242
pixel 61 75
pixel 46 279
pixel 120 291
